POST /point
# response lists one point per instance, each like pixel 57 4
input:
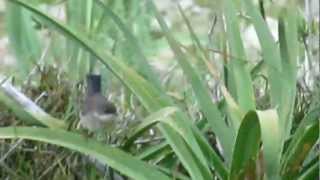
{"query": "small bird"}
pixel 97 111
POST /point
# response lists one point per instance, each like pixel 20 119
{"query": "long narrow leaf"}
pixel 23 38
pixel 123 162
pixel 205 101
pixel 288 39
pixel 149 122
pixel 270 52
pixel 141 61
pixel 311 173
pixel 239 69
pixel 302 142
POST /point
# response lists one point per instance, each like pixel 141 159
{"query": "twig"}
pixel 52 166
pixel 10 151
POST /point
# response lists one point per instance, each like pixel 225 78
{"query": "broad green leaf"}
pixel 115 158
pixel 271 140
pixel 247 146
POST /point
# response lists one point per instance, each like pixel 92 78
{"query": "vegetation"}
pixel 215 113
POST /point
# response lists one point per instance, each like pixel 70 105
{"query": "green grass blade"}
pixel 194 166
pixel 154 151
pixel 214 160
pixel 289 43
pixel 148 122
pixel 270 52
pixel 161 116
pixel 238 67
pixel 193 35
pixel 302 142
pixel 281 66
pixel 247 146
pixel 77 14
pixel 234 109
pixel 210 110
pixel 175 174
pixel 23 38
pixel 311 173
pixel 115 158
pixel 141 61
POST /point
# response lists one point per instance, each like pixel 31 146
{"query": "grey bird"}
pixel 97 111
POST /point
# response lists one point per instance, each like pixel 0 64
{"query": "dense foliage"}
pixel 210 112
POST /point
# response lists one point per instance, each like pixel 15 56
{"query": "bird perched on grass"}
pixel 97 112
